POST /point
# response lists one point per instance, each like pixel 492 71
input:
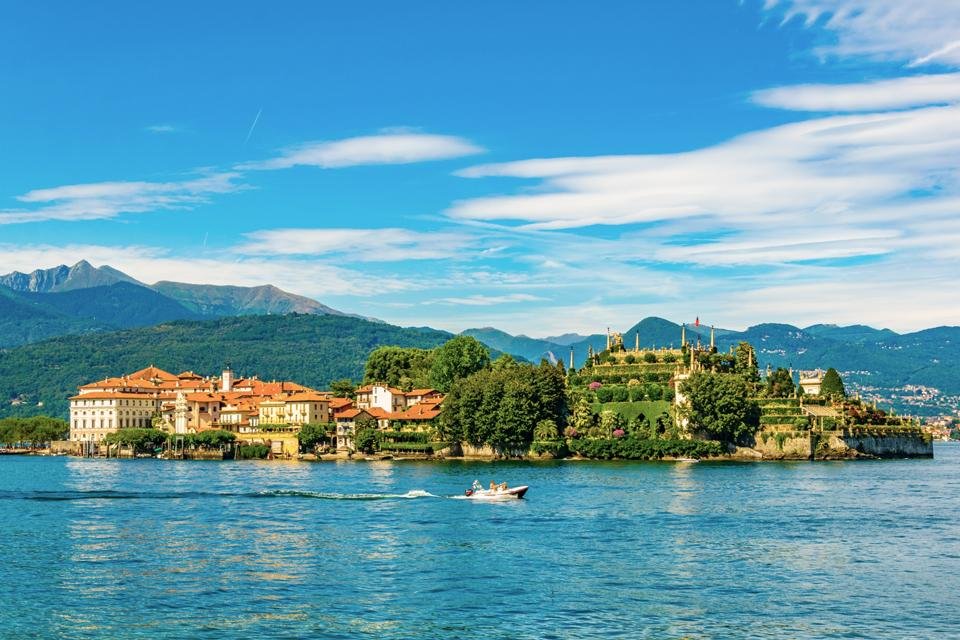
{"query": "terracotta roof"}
pixel 379 413
pixel 152 372
pixel 420 392
pixel 109 395
pixel 340 403
pixel 308 396
pixel 349 413
pixel 421 411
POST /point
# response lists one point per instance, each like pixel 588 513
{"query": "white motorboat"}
pixel 477 492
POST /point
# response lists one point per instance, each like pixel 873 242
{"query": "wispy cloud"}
pixel 385 148
pixel 828 174
pixel 880 95
pixel 357 245
pixel 109 199
pixel 487 300
pixel 162 128
pixel 919 31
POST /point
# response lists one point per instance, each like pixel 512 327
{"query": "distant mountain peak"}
pixel 229 300
pixel 81 275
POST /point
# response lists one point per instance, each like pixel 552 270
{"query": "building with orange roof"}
pixel 188 403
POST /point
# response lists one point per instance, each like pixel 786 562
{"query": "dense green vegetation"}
pixel 151 440
pixel 720 407
pixel 500 406
pixel 456 359
pixel 780 384
pixel 411 368
pixel 27 316
pixel 312 436
pixel 832 385
pixel 142 440
pixel 632 410
pixel 310 349
pixel 36 431
pixel 402 367
pixel 633 448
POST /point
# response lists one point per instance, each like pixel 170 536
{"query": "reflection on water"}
pixel 134 548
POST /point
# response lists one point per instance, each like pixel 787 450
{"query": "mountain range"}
pixel 82 301
pixel 86 299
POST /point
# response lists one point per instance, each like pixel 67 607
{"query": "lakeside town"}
pixel 624 402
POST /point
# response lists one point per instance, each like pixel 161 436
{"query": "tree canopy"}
pixel 501 407
pixel 456 359
pixel 403 367
pixel 312 435
pixel 36 431
pixel 780 384
pixel 719 407
pixel 832 385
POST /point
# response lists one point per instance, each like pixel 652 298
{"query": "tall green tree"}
pixel 343 388
pixel 403 367
pixel 502 407
pixel 780 384
pixel 746 362
pixel 719 407
pixel 832 385
pixel 313 435
pixel 456 359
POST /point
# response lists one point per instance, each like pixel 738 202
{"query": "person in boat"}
pixel 493 486
pixel 503 486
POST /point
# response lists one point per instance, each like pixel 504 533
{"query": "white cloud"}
pixel 849 181
pixel 917 31
pixel 357 245
pixel 109 199
pixel 385 148
pixel 480 300
pixel 162 128
pixel 895 93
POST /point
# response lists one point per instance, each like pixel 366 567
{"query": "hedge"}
pixel 643 449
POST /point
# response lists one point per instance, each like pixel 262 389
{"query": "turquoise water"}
pixel 155 549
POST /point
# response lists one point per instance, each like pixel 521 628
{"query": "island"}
pixel 688 402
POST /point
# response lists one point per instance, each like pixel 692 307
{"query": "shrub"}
pixel 556 448
pixel 253 452
pixel 630 448
pixel 620 394
pixel 546 431
pixel 649 357
pixel 605 394
pixel 630 359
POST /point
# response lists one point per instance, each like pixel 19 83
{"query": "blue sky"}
pixel 541 167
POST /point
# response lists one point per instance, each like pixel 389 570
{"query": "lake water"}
pixel 158 549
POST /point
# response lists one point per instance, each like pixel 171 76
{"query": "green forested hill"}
pixel 309 349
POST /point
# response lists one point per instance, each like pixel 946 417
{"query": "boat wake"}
pixel 100 494
pixel 317 495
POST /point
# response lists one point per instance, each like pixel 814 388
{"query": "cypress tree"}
pixel 832 385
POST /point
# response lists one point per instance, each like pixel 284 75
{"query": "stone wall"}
pixel 784 445
pixel 773 444
pixel 837 445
